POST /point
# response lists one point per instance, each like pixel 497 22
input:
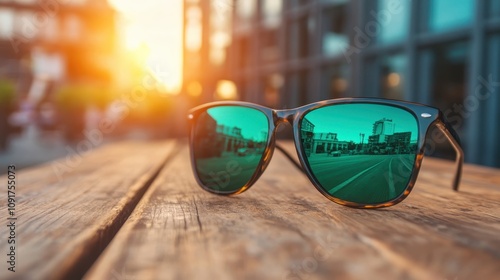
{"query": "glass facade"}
pixel 6 23
pixel 299 32
pixel 245 10
pixel 273 85
pixel 193 28
pixel 494 8
pixel 297 3
pixel 243 55
pixel 370 77
pixel 428 51
pixel 271 11
pixel 393 76
pixel 444 68
pixel 296 91
pixel 335 81
pixel 269 50
pixel 450 14
pixel 335 35
pixel 220 27
pixel 393 19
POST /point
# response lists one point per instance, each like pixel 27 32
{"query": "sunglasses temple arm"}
pixel 281 149
pixel 452 137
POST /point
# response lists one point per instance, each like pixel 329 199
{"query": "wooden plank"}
pixel 282 228
pixel 67 212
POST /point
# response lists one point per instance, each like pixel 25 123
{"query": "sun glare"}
pixel 157 25
pixel 226 90
pixel 133 38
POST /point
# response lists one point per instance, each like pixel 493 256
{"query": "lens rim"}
pixel 413 108
pixel 193 116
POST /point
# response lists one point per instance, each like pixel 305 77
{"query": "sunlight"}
pixel 158 25
pixel 133 38
pixel 226 90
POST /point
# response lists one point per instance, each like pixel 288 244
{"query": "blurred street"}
pixel 31 147
pixel 34 146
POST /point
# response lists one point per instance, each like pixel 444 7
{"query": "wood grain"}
pixel 282 228
pixel 64 222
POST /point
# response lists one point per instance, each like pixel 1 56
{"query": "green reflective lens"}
pixel 228 144
pixel 362 153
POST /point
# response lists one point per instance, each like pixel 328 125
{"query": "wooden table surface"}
pixel 134 211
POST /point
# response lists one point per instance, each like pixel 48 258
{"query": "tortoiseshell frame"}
pixel 426 116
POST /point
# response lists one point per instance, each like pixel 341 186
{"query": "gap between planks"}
pixel 106 235
pixel 68 222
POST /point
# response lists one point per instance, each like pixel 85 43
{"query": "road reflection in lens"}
pixel 229 142
pixel 362 153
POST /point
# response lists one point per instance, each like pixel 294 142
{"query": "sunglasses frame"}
pixel 425 116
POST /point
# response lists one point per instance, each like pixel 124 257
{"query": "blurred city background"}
pixel 75 74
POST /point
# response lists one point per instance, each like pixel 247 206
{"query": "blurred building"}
pixel 207 37
pixel 286 53
pixel 42 42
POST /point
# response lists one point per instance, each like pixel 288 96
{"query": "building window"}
pixel 193 29
pixel 246 9
pixel 335 81
pixel 393 76
pixel 449 69
pixel 6 23
pixel 298 38
pixel 384 76
pixel 494 8
pixel 449 14
pixel 243 52
pixel 297 3
pixel 243 91
pixel 443 79
pixel 220 28
pixel 245 12
pixel 269 45
pixel 393 17
pixel 335 38
pixel 271 12
pixel 297 89
pixel 272 89
pixel 370 78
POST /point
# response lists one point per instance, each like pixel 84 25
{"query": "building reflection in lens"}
pixel 228 145
pixel 361 153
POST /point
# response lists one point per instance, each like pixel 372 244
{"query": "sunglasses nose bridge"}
pixel 285 116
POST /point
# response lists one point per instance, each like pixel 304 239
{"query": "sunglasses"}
pixel 357 152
